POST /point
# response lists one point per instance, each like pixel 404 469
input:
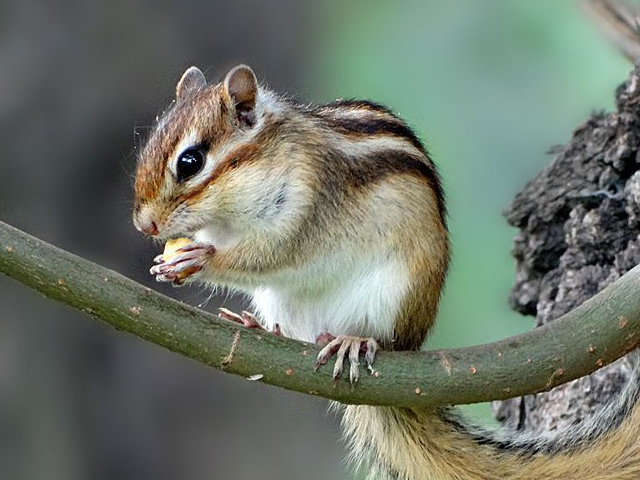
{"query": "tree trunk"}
pixel 579 222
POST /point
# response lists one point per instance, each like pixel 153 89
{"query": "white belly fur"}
pixel 339 296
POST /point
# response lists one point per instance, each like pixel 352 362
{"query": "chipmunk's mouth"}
pixel 211 232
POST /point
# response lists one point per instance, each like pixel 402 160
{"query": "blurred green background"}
pixel 490 86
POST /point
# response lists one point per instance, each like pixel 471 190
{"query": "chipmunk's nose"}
pixel 143 221
pixel 148 228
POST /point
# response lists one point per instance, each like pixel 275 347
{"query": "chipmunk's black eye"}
pixel 189 163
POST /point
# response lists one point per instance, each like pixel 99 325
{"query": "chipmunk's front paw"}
pixel 345 346
pixel 184 262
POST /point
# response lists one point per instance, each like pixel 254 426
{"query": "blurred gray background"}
pixel 489 85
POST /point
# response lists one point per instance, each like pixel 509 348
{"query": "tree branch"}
pixel 619 23
pixel 594 334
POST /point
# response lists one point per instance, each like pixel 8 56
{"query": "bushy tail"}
pixel 415 444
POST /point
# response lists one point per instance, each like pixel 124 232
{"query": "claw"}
pixel 247 319
pixel 190 261
pixel 354 362
pixel 229 315
pixel 326 353
pixel 250 320
pixel 337 367
pixel 195 246
pixel 344 346
pixel 191 265
pixel 370 354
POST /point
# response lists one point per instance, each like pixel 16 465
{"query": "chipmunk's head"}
pixel 197 170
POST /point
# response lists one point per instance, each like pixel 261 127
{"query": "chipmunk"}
pixel 332 218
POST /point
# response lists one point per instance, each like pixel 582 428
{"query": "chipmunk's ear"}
pixel 240 87
pixel 192 81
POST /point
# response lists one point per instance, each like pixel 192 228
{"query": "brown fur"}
pixel 343 166
pixel 205 112
pixel 241 155
pixel 418 445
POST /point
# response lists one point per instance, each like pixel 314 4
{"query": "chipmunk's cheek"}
pixel 219 235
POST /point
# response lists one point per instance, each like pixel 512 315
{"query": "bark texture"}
pixel 579 225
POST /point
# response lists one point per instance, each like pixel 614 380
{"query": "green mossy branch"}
pixel 594 334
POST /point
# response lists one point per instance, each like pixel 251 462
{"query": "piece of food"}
pixel 172 246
